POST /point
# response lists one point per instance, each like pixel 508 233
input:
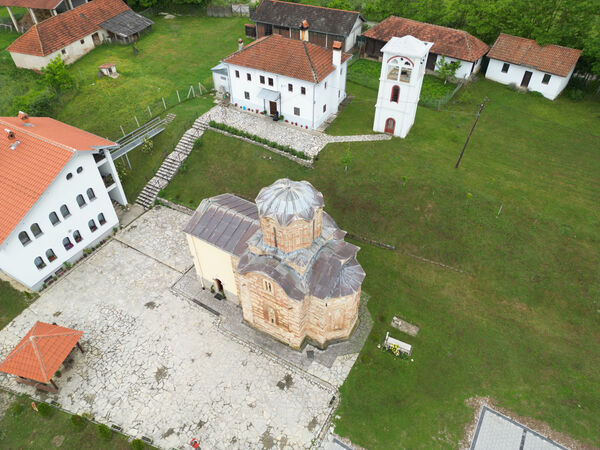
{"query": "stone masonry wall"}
pixel 297 235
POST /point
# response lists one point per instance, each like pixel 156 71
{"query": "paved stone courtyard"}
pixel 158 365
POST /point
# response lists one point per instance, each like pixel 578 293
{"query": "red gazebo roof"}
pixel 41 352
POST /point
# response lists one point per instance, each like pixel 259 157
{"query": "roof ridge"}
pixel 312 6
pixel 466 35
pixel 36 136
pixel 312 68
pixel 37 32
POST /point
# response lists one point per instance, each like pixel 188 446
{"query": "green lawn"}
pixel 22 428
pixel 12 302
pixel 523 325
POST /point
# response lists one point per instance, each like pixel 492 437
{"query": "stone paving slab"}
pixel 495 431
pixel 156 365
pixel 159 234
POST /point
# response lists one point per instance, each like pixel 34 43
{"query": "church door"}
pixel 390 124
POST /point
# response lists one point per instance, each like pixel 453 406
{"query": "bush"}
pixel 57 76
pixel 37 102
pixel 45 409
pixel 16 409
pixel 77 421
pixel 575 94
pixel 104 432
pixel 138 444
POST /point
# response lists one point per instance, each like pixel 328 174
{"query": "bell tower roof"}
pixel 286 201
pixel 407 46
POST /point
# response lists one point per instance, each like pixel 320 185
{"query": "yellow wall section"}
pixel 211 262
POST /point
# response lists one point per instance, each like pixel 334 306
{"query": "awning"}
pixel 41 352
pixel 220 68
pixel 270 95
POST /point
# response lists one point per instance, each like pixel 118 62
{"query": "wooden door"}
pixel 431 59
pixel 526 78
pixel 272 108
pixel 390 124
pixel 96 39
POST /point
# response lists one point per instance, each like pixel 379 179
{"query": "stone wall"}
pixel 299 234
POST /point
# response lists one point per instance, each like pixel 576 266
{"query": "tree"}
pixel 447 70
pixel 339 4
pixel 57 76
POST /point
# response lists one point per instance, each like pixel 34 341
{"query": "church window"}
pixel 272 316
pixel 275 236
pixel 268 286
pixel 395 94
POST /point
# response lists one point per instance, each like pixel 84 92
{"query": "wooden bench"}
pixel 402 346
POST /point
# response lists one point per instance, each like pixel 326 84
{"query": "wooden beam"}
pixel 12 17
pixel 32 14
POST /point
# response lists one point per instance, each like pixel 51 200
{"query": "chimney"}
pixel 23 116
pixel 304 31
pixel 337 53
pixel 240 44
pixel 10 134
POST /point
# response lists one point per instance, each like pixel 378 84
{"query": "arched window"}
pixel 79 169
pixel 69 176
pixel 67 244
pixel 395 94
pixel 24 238
pixel 50 255
pixel 36 230
pixel 53 218
pixel 90 194
pixel 92 225
pixel 39 263
pixel 64 210
pixel 399 69
pixel 77 236
pixel 390 124
pixel 81 201
pixel 101 219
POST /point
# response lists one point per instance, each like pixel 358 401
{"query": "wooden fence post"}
pixel 137 121
pixel 149 111
pixel 122 130
pixel 178 97
pixel 164 104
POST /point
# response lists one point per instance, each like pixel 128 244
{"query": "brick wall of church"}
pixel 299 234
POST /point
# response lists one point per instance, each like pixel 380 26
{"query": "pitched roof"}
pixel 289 57
pixel 126 24
pixel 27 171
pixel 287 14
pixel 35 4
pixel 59 31
pixel 41 352
pixel 552 59
pixel 446 41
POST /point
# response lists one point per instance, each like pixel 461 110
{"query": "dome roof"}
pixel 287 200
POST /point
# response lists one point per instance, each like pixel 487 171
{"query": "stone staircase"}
pixel 172 162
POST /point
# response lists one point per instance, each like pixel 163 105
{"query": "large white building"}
pixel 526 64
pixel 57 185
pixel 402 71
pixel 301 81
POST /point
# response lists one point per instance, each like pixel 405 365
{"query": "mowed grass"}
pixel 22 427
pixel 519 216
pixel 12 302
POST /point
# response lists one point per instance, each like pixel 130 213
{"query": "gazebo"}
pixel 40 353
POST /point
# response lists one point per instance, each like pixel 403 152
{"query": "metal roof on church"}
pixel 287 200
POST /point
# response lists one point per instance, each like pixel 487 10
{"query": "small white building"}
pixel 76 32
pixel 57 185
pixel 453 44
pixel 402 71
pixel 301 81
pixel 526 64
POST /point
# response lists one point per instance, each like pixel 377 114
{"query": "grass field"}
pixel 12 302
pixel 22 428
pixel 522 325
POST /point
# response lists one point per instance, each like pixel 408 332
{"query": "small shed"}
pixel 37 357
pixel 109 69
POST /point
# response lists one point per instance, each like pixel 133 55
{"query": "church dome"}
pixel 286 201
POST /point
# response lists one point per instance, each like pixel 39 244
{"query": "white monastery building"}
pixel 452 44
pixel 402 71
pixel 57 185
pixel 523 62
pixel 301 81
pixel 76 32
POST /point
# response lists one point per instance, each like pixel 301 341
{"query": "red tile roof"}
pixel 289 57
pixel 41 352
pixel 35 4
pixel 28 170
pixel 59 31
pixel 552 59
pixel 446 41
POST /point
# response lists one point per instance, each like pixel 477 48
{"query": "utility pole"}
pixel 471 132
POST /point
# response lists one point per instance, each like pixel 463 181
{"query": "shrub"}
pixel 16 409
pixel 138 444
pixel 575 94
pixel 78 422
pixel 37 102
pixel 57 76
pixel 104 432
pixel 44 409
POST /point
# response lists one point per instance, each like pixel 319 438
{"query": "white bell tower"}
pixel 402 70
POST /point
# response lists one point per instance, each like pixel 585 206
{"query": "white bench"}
pixel 402 346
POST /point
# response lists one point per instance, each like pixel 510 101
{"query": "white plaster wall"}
pixel 405 110
pixel 311 114
pixel 351 39
pixel 74 50
pixel 220 80
pixel 515 75
pixel 18 261
pixel 212 263
pixel 464 71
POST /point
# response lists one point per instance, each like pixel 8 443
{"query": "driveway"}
pixel 156 364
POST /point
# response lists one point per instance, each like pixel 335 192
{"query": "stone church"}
pixel 282 259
